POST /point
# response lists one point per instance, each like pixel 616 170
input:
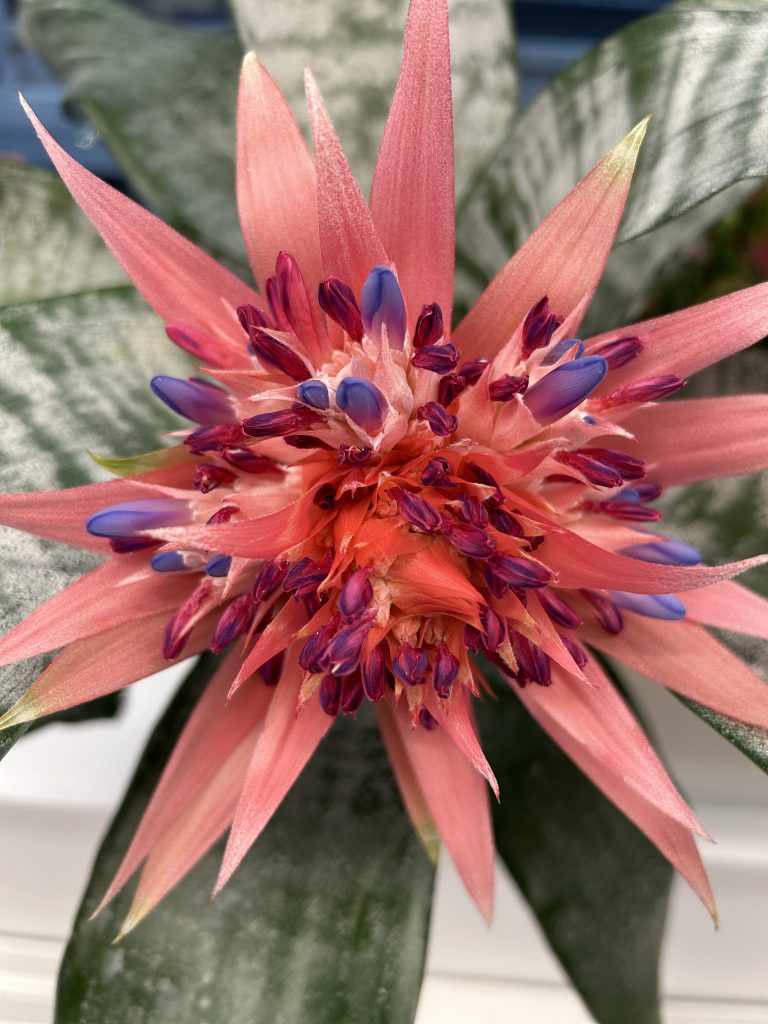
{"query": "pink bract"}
pixel 354 523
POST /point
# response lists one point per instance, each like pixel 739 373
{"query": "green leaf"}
pixel 700 73
pixel 74 372
pixel 354 51
pixel 163 100
pixel 324 921
pixel 597 886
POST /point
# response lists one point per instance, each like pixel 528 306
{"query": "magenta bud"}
pixel 337 300
pixel 436 471
pixel 469 540
pixel 506 387
pixel 350 455
pixel 494 630
pixel 482 476
pixel 444 671
pixel 275 305
pixel 440 422
pixel 208 478
pixel 356 594
pixel 330 695
pixel 251 317
pixel 619 352
pixel 292 289
pixel 473 511
pixel 436 358
pixel 472 370
pixel 382 306
pixel 539 326
pixel 272 669
pixel 304 441
pixel 315 654
pixel 373 674
pixel 178 629
pixel 630 511
pixel 646 491
pixel 222 515
pixel 278 424
pixel 197 344
pixel 233 622
pixel 427 720
pixel 213 439
pixel 416 510
pixel 606 612
pixel 429 326
pixel 595 471
pixel 411 665
pixel 651 390
pixel 306 575
pixel 352 694
pixel 249 462
pixel 271 575
pixel 277 354
pixel 505 523
pixel 576 651
pixel 347 645
pixel 558 609
pixel 533 664
pixel 450 387
pixel 521 573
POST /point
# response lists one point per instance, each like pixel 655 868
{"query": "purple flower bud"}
pixel 444 671
pixel 522 573
pixel 472 370
pixel 539 326
pixel 411 665
pixel 505 523
pixel 347 645
pixel 473 639
pixel 349 455
pixel 272 669
pixel 249 462
pixel 373 674
pixel 558 609
pixel 352 695
pixel 330 695
pixel 275 305
pixel 337 300
pixel 382 305
pixel 178 629
pixel 629 511
pixel 132 517
pixel 534 665
pixel 271 575
pixel 482 476
pixel 654 606
pixel 356 594
pixel 427 720
pixel 222 515
pixel 212 439
pixel 251 317
pixel 619 352
pixel 469 540
pixel 436 358
pixel 362 402
pixel 576 651
pixel 449 388
pixel 429 326
pixel 564 388
pixel 416 510
pixel 435 471
pixel 561 348
pixel 494 630
pixel 315 654
pixel 195 399
pixel 594 470
pixel 273 352
pixel 497 587
pixel 606 612
pixel 314 393
pixel 473 511
pixel 305 441
pixel 644 492
pixel 218 565
pixel 306 575
pixel 505 388
pixel 294 298
pixel 173 561
pixel 629 466
pixel 207 477
pixel 277 424
pixel 651 390
pixel 234 621
pixel 664 552
pixel 440 421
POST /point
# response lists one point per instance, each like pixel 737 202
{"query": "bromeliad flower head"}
pixel 365 502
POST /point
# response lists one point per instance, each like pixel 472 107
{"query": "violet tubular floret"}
pixel 362 402
pixel 195 399
pixel 664 552
pixel 564 388
pixel 133 517
pixel 218 565
pixel 382 306
pixel 654 606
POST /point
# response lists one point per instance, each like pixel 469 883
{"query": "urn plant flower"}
pixel 366 505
